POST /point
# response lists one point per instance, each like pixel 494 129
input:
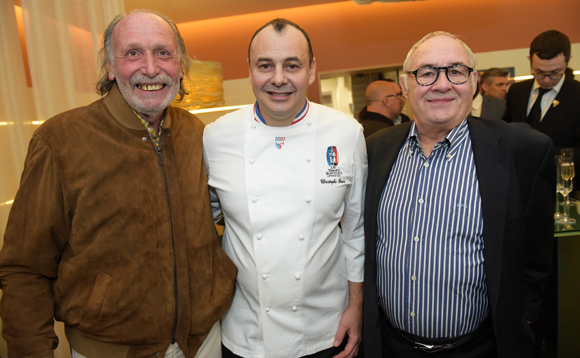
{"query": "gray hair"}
pixel 107 55
pixel 470 55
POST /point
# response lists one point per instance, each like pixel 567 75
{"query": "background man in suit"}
pixel 549 102
pixel 489 103
pixel 455 257
pixel 383 106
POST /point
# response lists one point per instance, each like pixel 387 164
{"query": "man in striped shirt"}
pixel 458 220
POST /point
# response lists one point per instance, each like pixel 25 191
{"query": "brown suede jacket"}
pixel 109 240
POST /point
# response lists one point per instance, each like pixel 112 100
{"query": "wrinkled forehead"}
pixel 143 28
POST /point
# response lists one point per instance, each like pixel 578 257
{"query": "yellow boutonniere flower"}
pixel 555 103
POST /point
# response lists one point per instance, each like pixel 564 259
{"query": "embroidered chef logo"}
pixel 333 174
pixel 279 142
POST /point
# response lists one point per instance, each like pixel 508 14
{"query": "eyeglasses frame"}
pixel 438 69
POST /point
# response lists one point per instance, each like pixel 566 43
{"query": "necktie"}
pixel 535 115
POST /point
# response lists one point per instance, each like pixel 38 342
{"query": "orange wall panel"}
pixel 346 35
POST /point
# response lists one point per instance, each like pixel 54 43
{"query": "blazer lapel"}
pixel 381 161
pixel 563 96
pixel 492 163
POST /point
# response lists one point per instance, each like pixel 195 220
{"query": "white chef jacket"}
pixel 283 198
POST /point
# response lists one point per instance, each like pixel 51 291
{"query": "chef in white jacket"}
pixel 289 177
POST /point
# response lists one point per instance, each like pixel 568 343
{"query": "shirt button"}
pixel 267 309
pixel 414 278
pixel 308 159
pixel 308 199
pixel 412 314
pixel 254 200
pixel 144 139
pixel 416 239
pixel 168 135
pixel 426 165
pixel 251 161
pixel 421 201
pixel 253 126
pixel 264 276
pixel 297 276
pixel 301 237
pixel 294 308
pixel 309 123
pixel 259 236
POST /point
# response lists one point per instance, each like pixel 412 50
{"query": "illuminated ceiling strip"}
pixel 217 109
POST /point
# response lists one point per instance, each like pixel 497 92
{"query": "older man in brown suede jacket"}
pixel 111 230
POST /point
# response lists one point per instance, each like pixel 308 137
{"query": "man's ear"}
pixel 312 71
pixel 403 84
pixel 111 73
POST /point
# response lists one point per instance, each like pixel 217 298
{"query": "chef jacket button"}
pixel 294 308
pixel 309 123
pixel 267 309
pixel 254 200
pixel 308 159
pixel 144 139
pixel 301 237
pixel 264 276
pixel 308 199
pixel 259 236
pixel 252 161
pixel 297 276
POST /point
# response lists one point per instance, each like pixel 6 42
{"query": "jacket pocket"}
pixel 94 305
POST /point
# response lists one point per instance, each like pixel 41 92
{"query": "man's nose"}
pixel 150 67
pixel 279 77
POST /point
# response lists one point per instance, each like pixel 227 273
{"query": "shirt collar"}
pixel 556 88
pixel 259 118
pixel 451 140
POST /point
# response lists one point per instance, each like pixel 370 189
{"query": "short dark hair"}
pixel 279 25
pixel 488 75
pixel 106 55
pixel 550 44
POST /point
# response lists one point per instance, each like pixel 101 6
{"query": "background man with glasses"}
pixel 455 257
pixel 383 106
pixel 557 113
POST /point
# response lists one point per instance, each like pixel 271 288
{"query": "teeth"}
pixel 150 87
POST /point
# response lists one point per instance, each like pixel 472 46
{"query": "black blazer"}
pixel 561 122
pixel 492 108
pixel 516 174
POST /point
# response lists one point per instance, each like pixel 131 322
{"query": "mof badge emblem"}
pixel 332 156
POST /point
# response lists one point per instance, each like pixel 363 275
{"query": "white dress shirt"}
pixel 547 99
pixel 476 105
pixel 283 199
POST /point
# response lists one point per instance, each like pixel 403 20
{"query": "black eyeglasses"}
pixel 456 74
pixel 541 75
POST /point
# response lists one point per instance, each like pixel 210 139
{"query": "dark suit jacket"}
pixel 561 122
pixel 516 173
pixel 492 108
pixel 372 121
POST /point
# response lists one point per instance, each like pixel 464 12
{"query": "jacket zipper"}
pixel 161 163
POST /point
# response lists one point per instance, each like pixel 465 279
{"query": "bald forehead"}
pixel 270 38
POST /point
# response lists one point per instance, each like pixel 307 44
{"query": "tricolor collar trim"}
pixel 258 116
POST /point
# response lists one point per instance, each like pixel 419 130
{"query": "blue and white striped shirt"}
pixel 430 271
